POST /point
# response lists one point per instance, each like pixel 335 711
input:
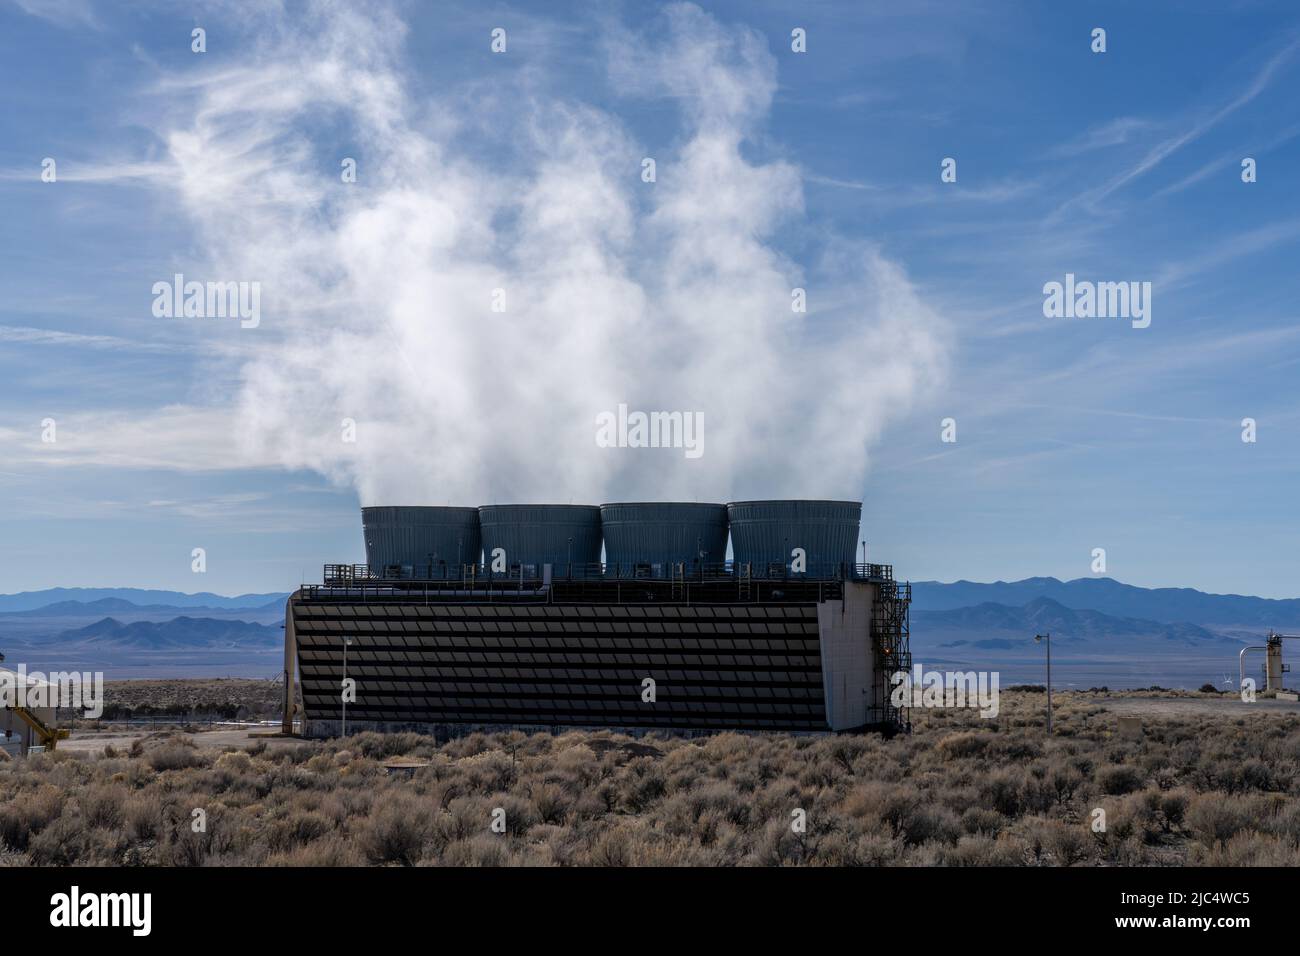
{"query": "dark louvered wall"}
pixel 754 666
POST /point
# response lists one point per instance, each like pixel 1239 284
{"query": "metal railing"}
pixel 348 574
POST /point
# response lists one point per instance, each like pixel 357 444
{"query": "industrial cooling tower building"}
pixel 649 539
pixel 665 633
pixel 403 542
pixel 528 537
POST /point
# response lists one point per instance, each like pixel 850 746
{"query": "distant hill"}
pixel 1108 596
pixel 64 608
pixel 68 599
pixel 180 632
pixel 119 606
pixel 993 626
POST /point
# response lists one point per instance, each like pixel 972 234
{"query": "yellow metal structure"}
pixel 49 737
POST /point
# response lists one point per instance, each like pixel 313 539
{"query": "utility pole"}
pixel 1047 638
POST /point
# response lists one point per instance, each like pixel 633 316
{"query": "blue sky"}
pixel 480 170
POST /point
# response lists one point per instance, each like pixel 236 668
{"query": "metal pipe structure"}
pixel 1241 662
pixel 1274 668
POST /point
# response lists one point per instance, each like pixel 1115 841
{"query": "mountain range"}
pixel 991 626
pixel 111 605
pixel 177 633
pixel 1169 605
pixel 135 597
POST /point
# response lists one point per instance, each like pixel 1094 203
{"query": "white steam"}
pixel 376 296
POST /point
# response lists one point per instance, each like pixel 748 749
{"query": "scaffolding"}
pixel 891 645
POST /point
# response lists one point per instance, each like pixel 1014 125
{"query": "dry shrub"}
pixel 981 820
pixel 489 772
pixel 175 756
pixel 520 816
pixel 981 849
pixel 1119 780
pixel 721 800
pixel 62 843
pixel 1286 824
pixel 101 806
pixel 1064 782
pixel 1038 838
pixel 396 831
pixel 644 785
pixel 779 846
pixel 1004 791
pixel 296 830
pixel 332 850
pixel 1251 849
pixel 27 813
pixel 579 764
pixel 484 849
pixel 960 791
pixel 1216 818
pixel 236 762
pixel 377 746
pixel 876 849
pixel 612 848
pixel 590 806
pixel 143 816
pixel 1066 843
pixel 957 746
pixel 187 848
pixel 550 803
pixel 1173 809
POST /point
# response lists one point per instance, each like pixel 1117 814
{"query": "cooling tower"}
pixel 660 534
pixel 415 538
pixel 541 534
pixel 765 533
pixel 804 649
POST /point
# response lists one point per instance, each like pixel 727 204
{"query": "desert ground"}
pixel 198 701
pixel 1189 779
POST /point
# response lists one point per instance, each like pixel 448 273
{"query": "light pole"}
pixel 1047 638
pixel 347 641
